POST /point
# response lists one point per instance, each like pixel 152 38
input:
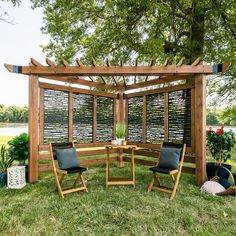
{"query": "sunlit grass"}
pixel 37 209
pixel 5 139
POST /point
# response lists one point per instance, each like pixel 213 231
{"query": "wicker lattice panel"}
pixel 55 116
pixel 82 118
pixel 135 112
pixel 180 116
pixel 155 118
pixel 105 119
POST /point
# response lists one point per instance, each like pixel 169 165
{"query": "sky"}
pixel 18 43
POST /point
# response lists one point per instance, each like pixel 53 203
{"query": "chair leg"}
pixel 59 189
pixel 77 180
pixel 151 184
pixel 83 183
pixel 175 186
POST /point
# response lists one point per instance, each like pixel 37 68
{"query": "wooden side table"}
pixel 120 180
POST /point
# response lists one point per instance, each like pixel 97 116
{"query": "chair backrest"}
pixel 60 146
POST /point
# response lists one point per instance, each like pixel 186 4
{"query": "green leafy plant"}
pixel 5 160
pixel 220 143
pixel 19 148
pixel 120 130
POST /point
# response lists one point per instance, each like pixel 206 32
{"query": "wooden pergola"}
pixel 83 103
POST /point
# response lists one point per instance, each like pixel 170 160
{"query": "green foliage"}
pixel 212 118
pixel 5 159
pixel 128 29
pixel 13 114
pixel 19 148
pixel 220 144
pixel 120 130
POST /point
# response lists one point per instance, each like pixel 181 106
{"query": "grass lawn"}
pixel 37 209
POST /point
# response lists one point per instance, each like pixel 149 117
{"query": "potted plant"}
pixel 120 132
pixel 5 162
pixel 219 143
pixel 19 148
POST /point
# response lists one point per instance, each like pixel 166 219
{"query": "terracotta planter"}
pixel 211 168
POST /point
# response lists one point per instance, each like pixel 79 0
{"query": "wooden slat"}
pixel 160 90
pixel 48 167
pixel 77 145
pixel 114 118
pixel 200 128
pixel 166 117
pixel 33 128
pixel 41 117
pixel 116 70
pixel 193 119
pixel 94 118
pixel 76 90
pixel 144 120
pixel 162 80
pixel 70 110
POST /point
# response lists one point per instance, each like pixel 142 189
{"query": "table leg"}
pixel 107 168
pixel 132 166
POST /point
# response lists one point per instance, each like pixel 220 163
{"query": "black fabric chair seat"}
pixel 160 170
pixel 78 169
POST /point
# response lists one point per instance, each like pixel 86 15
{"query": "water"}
pixel 12 129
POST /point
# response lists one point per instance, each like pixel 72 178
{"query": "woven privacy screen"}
pixel 82 118
pixel 179 118
pixel 155 117
pixel 55 116
pixel 135 111
pixel 105 119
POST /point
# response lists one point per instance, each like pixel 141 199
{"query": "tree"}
pixel 3 14
pixel 126 29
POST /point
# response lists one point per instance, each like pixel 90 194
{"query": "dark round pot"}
pixel 3 179
pixel 211 169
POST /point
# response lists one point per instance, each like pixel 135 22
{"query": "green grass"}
pixel 37 209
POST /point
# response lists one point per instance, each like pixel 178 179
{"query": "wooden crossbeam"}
pixel 34 62
pixel 115 70
pixel 114 79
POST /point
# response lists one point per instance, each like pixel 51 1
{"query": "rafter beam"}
pixel 116 70
pixel 94 63
pixel 162 80
pixel 180 63
pixel 166 62
pixel 197 61
pixel 136 64
pixel 151 64
pixel 34 62
pixel 65 63
pixel 114 79
pixel 50 63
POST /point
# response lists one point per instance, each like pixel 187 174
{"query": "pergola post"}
pixel 120 118
pixel 200 128
pixel 33 128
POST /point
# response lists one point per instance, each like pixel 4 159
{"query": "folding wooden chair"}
pixel 170 163
pixel 65 155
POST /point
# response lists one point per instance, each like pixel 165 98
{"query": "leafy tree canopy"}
pixel 3 13
pixel 129 29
